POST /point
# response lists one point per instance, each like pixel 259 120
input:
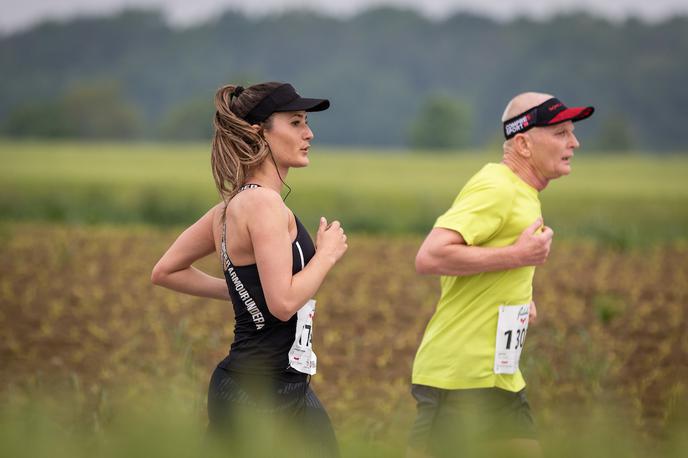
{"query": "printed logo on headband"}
pixel 518 124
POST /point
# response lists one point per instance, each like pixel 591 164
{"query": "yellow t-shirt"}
pixel 457 350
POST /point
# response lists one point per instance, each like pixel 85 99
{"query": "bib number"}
pixel 301 355
pixel 512 327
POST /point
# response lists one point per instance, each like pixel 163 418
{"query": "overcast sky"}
pixel 19 14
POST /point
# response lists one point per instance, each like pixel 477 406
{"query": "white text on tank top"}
pixel 249 303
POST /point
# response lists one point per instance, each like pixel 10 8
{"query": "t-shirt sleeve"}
pixel 480 210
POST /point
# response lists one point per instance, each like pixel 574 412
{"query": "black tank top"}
pixel 261 341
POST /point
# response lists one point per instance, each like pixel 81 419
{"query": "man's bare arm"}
pixel 445 252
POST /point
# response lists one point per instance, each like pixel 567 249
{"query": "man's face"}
pixel 552 149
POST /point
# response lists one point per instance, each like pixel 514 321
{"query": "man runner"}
pixel 469 390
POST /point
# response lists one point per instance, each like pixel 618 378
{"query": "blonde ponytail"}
pixel 237 147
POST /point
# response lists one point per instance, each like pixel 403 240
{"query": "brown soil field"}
pixel 77 306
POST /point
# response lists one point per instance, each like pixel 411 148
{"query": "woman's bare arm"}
pixel 175 271
pixel 269 230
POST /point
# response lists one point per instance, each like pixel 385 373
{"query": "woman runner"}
pixel 259 396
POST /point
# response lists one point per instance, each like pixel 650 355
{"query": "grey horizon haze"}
pixel 18 15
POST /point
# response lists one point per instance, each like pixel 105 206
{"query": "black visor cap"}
pixel 284 98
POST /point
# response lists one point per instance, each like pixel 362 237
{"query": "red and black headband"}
pixel 548 113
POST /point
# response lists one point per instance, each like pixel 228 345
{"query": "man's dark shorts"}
pixel 453 421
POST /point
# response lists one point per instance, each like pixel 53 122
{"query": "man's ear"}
pixel 522 145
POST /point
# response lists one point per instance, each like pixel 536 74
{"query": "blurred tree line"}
pixel 394 77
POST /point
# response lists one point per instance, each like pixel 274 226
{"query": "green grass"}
pixel 618 200
pixel 41 424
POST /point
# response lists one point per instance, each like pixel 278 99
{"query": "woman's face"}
pixel 289 138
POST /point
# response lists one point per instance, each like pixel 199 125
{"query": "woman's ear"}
pixel 256 127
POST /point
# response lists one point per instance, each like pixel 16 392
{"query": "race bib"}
pixel 511 335
pixel 301 355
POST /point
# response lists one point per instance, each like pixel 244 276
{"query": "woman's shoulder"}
pixel 259 203
pixel 256 199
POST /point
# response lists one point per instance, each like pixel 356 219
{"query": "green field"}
pixel 617 199
pixel 98 362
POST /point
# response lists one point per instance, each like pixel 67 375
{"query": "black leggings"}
pixel 256 416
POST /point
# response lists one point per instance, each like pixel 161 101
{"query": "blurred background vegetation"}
pixel 382 69
pixel 635 201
